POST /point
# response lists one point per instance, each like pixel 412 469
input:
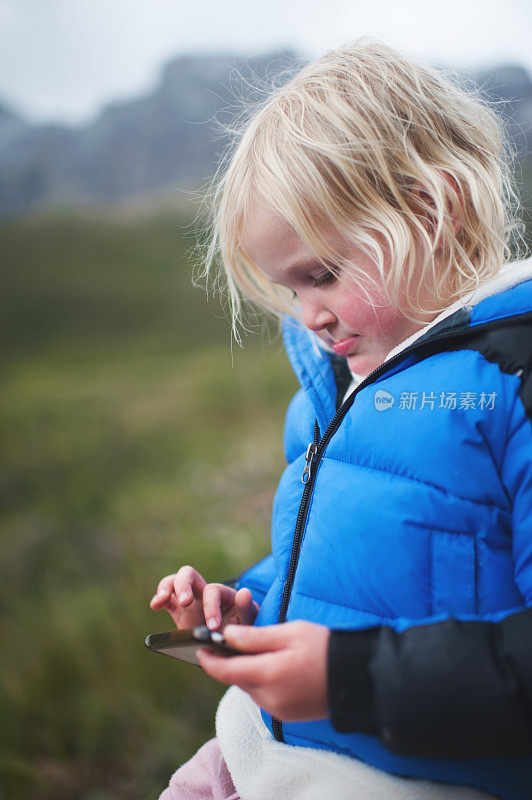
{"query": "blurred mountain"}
pixel 152 146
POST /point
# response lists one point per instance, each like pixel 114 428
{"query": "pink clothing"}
pixel 204 777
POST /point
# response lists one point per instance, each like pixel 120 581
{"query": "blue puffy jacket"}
pixel 416 505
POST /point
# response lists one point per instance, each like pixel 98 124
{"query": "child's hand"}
pixel 181 595
pixel 225 606
pixel 191 601
pixel 286 673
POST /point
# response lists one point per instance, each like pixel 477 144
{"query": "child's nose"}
pixel 317 316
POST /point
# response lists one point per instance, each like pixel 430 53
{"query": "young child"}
pixel 387 641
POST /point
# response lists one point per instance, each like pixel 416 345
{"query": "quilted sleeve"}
pixel 445 689
pixel 257 578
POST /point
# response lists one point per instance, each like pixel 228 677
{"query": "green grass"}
pixel 131 445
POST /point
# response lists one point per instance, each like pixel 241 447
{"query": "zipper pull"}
pixel 309 458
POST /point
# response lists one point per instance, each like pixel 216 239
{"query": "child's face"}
pixel 340 315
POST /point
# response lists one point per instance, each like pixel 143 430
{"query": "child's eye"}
pixel 327 277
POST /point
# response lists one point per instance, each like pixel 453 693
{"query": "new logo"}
pixel 383 400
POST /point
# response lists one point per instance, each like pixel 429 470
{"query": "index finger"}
pixel 216 597
pixel 187 584
pixel 187 579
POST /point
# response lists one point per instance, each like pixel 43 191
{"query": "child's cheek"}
pixel 365 315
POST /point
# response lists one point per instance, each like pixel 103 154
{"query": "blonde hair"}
pixel 349 140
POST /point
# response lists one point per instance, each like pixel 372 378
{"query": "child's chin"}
pixel 362 365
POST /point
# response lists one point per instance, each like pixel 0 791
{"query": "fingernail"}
pixel 212 623
pixel 183 597
pixel 161 593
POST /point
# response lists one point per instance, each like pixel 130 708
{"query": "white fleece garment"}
pixel 263 769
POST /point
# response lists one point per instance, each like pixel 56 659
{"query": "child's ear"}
pixel 455 212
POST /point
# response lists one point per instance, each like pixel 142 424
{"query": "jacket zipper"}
pixel 307 479
pixel 316 448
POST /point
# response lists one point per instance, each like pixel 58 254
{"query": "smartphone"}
pixel 184 645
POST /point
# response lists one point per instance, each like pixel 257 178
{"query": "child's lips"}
pixel 345 346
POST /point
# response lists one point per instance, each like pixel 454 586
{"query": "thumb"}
pixel 252 639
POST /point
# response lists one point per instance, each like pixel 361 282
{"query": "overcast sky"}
pixel 63 59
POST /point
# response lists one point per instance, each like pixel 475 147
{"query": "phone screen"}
pixel 184 645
